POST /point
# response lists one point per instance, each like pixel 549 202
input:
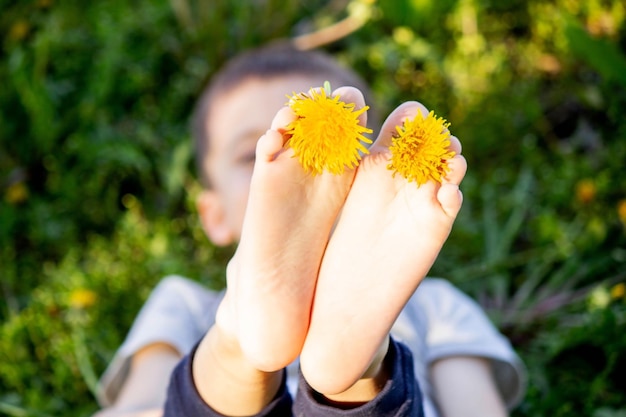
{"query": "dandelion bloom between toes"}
pixel 326 134
pixel 420 149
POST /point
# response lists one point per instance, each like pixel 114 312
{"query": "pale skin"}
pixel 388 237
pixel 247 363
pixel 272 305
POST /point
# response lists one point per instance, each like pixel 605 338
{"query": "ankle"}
pixel 368 386
pixel 227 355
pixel 376 364
pixel 227 381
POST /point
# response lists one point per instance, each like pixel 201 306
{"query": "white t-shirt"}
pixel 438 321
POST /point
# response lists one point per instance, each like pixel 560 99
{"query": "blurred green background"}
pixel 97 185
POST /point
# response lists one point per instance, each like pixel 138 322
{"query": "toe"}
pixel 353 95
pixel 451 199
pixel 407 110
pixel 283 117
pixel 455 145
pixel 269 145
pixel 458 168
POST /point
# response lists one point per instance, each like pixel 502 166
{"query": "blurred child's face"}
pixel 238 118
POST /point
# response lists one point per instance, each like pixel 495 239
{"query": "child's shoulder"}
pixel 181 284
pixel 438 297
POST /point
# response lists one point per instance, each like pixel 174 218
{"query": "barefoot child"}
pixel 301 297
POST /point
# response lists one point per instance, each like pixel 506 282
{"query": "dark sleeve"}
pixel 183 398
pixel 400 397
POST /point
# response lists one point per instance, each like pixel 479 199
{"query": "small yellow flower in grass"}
pixel 326 135
pixel 16 193
pixel 82 298
pixel 419 150
pixel 19 30
pixel 586 191
pixel 618 291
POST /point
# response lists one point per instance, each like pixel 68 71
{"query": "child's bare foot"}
pixel 288 220
pixel 387 238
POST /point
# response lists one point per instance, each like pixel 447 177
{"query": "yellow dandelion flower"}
pixel 19 30
pixel 419 150
pixel 586 191
pixel 16 193
pixel 82 298
pixel 618 291
pixel 326 135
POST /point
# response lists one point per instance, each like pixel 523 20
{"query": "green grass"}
pixel 97 184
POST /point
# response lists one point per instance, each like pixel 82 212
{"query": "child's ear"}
pixel 213 218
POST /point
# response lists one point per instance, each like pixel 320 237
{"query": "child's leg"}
pixel 387 238
pixel 227 381
pixel 271 279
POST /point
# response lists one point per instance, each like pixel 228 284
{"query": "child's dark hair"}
pixel 273 60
